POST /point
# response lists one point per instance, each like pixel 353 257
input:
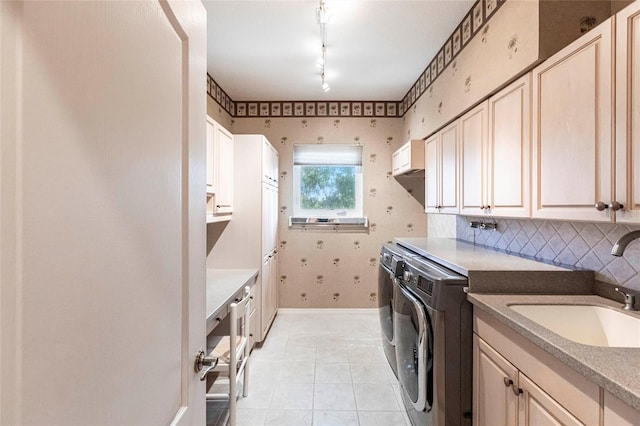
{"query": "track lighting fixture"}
pixel 322 17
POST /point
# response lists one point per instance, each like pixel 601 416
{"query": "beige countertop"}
pixel 617 370
pixel 222 286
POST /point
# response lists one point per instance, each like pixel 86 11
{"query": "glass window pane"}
pixel 328 187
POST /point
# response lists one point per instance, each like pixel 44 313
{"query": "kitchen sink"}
pixel 586 324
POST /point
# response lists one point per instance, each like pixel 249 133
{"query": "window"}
pixel 327 180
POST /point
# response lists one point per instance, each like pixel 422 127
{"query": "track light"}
pixel 322 16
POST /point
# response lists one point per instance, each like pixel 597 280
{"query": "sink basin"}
pixel 586 324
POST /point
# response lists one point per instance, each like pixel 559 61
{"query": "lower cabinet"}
pixel 517 383
pixel 269 291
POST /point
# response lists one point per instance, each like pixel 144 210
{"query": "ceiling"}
pixel 376 49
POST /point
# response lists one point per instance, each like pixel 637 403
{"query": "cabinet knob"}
pixel 516 390
pixel 615 206
pixel 482 207
pixel 600 206
pixel 507 381
pixel 488 206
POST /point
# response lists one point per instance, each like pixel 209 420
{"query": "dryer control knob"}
pixel 407 276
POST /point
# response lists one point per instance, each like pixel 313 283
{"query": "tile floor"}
pixel 322 369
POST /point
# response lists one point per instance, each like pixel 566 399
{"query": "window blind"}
pixel 322 155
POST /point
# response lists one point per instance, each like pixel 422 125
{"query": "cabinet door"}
pixel 509 150
pixel 431 168
pixel 223 170
pixel 210 155
pixel 274 285
pixel 618 413
pixel 628 113
pixel 572 130
pixel 473 158
pixel 265 299
pixel 402 159
pixel 494 402
pixel 269 163
pixel 537 408
pixel 449 166
pixel 275 168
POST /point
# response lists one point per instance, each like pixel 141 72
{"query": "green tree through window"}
pixel 328 187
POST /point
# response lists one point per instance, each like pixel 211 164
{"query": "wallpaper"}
pixel 519 35
pixel 325 269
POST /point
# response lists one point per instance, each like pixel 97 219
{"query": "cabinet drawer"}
pixel 580 396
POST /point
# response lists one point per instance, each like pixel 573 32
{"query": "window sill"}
pixel 335 224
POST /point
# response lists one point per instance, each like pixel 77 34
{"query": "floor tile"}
pixel 372 372
pixel 332 350
pixel 333 396
pixel 332 372
pixel 382 418
pixel 300 353
pixel 375 397
pixel 335 418
pixel 251 417
pixel 289 418
pixel 297 372
pixel 259 396
pixel 366 354
pixel 292 397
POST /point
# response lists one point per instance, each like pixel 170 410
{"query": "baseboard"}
pixel 341 311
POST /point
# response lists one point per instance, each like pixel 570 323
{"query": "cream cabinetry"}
pixel 408 158
pixel 474 161
pixel 442 170
pixel 220 172
pixel 494 402
pixel 250 240
pixel 573 130
pixel 627 179
pixel 617 413
pixel 509 150
pixel 514 380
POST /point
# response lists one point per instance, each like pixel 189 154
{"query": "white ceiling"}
pixel 376 49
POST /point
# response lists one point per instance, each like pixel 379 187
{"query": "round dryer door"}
pixel 414 349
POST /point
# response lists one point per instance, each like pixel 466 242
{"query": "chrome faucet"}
pixel 623 242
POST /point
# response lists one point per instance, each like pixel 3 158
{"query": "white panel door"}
pixel 572 130
pixel 509 150
pixel 102 212
pixel 431 174
pixel 473 145
pixel 223 173
pixel 449 169
pixel 628 113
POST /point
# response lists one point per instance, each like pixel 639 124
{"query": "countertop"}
pixel 491 271
pixel 222 286
pixel 617 370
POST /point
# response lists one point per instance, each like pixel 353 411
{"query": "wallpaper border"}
pixel 467 29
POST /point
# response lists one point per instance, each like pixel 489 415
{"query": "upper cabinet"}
pixel 409 158
pixel 219 172
pixel 270 159
pixel 473 158
pixel 573 129
pixel 628 113
pixel 442 170
pixel 508 151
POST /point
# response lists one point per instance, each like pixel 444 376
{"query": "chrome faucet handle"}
pixel 629 300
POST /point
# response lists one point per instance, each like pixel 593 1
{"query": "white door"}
pixel 102 226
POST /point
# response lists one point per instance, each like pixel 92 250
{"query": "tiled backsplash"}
pixel 581 244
